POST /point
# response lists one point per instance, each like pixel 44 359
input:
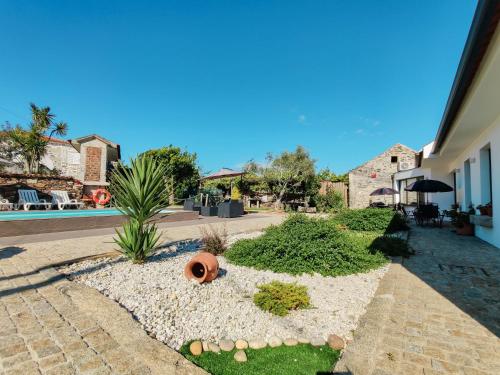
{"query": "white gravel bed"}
pixel 175 310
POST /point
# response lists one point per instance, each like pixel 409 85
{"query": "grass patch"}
pixel 303 359
pixel 306 245
pixel 279 298
pixel 383 220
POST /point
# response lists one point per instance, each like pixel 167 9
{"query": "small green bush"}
pixel 391 246
pixel 279 298
pixel 372 220
pixel 214 240
pixel 308 245
pixel 331 202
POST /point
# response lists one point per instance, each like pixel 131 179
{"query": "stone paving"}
pixel 436 312
pixel 49 325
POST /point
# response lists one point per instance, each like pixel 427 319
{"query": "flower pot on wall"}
pixel 466 230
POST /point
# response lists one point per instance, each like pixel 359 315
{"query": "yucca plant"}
pixel 139 193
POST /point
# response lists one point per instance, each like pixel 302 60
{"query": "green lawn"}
pixel 303 359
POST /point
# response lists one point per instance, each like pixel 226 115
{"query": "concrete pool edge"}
pixel 12 228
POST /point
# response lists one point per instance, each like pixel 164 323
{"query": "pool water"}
pixel 43 214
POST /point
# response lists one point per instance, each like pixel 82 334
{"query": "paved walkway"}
pixel 49 325
pixel 437 312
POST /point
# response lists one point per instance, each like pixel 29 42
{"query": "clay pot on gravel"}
pixel 202 267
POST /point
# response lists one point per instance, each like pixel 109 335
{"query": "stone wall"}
pixel 377 173
pixel 93 164
pixel 10 183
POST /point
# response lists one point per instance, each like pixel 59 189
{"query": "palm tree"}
pixel 31 144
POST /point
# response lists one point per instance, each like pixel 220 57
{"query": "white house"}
pixel 466 150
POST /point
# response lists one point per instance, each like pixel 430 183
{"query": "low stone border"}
pixel 197 347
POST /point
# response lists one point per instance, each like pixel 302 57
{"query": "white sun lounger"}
pixel 4 203
pixel 62 200
pixel 28 198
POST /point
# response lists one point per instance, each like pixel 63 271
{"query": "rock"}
pixel 204 345
pixel 196 348
pixel 290 342
pixel 213 347
pixel 241 344
pixel 226 345
pixel 303 340
pixel 274 342
pixel 336 342
pixel 240 356
pixel 317 341
pixel 257 344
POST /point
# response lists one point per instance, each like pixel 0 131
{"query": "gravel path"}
pixel 175 310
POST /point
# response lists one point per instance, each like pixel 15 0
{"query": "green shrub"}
pixel 391 246
pixel 214 240
pixel 279 298
pixel 139 193
pixel 331 202
pixel 372 220
pixel 307 245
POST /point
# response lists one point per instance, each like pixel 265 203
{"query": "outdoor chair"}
pixel 5 204
pixel 61 199
pixel 29 198
pixel 230 209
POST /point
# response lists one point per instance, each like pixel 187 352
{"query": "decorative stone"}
pixel 226 345
pixel 317 341
pixel 196 348
pixel 336 342
pixel 241 344
pixel 240 356
pixel 213 347
pixel 303 340
pixel 274 342
pixel 204 344
pixel 257 344
pixel 290 342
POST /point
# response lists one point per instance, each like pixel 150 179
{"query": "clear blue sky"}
pixel 232 80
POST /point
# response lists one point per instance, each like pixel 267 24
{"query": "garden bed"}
pixel 175 310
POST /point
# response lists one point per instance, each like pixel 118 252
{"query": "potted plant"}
pixel 462 222
pixel 485 210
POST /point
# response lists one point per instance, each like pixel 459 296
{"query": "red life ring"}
pixel 101 196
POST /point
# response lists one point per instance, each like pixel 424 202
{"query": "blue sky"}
pixel 233 80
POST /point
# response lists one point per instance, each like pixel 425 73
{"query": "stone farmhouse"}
pixel 378 173
pixel 86 159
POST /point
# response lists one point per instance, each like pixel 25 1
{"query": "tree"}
pixel 30 144
pixel 327 175
pixel 181 171
pixel 287 170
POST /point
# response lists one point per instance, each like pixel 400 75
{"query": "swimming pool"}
pixel 42 214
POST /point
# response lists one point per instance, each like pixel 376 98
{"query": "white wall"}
pixel 490 136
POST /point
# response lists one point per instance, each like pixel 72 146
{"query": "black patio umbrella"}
pixel 384 191
pixel 429 186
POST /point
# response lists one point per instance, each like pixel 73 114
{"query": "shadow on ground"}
pixel 465 270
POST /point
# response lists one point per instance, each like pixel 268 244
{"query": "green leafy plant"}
pixel 279 298
pixel 372 220
pixel 214 240
pixel 139 193
pixel 331 202
pixel 307 245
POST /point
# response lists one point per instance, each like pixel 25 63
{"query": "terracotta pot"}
pixel 466 230
pixel 489 210
pixel 202 267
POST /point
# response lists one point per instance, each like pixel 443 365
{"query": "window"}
pixel 467 185
pixel 485 174
pixel 410 197
pixel 394 159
